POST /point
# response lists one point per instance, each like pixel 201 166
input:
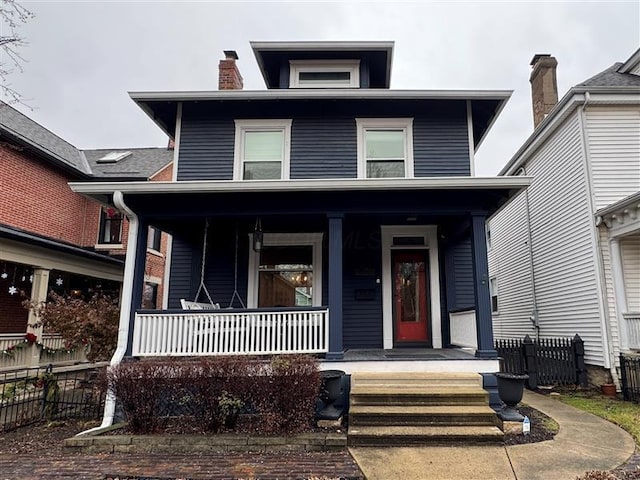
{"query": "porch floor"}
pixel 412 360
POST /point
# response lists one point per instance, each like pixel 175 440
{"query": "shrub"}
pixel 142 388
pixel 287 396
pixel 82 323
pixel 208 394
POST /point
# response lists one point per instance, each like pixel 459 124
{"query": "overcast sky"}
pixel 84 56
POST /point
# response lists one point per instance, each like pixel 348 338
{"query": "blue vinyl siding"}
pixel 441 145
pixel 184 261
pixel 459 273
pixel 323 137
pixel 322 149
pixel 362 296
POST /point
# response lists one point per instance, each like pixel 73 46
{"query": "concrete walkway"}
pixel 584 442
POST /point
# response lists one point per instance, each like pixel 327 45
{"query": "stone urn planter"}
pixel 510 390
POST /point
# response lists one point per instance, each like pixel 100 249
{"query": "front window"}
pixel 285 276
pixel 287 272
pixel 385 148
pixel 262 149
pixel 110 226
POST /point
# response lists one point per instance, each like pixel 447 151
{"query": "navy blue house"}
pixel 326 214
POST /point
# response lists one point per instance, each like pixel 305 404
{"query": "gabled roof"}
pixel 141 164
pixel 271 55
pixel 19 128
pixel 612 77
pixel 34 136
pixel 614 80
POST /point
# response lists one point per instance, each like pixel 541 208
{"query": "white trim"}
pixel 298 66
pixel 619 292
pixel 472 162
pixel 167 272
pixel 242 126
pixel 338 184
pixel 429 232
pixel 355 93
pixel 176 141
pixel 404 124
pixel 575 97
pixel 286 239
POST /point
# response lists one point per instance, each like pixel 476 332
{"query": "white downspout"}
pixel 125 309
pixel 535 314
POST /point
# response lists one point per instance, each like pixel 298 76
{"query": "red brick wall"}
pixel 155 264
pixel 36 198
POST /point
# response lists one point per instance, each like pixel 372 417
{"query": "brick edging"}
pixel 309 442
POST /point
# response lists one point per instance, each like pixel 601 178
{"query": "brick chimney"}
pixel 229 77
pixel 544 86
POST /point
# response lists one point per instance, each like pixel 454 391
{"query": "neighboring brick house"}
pixel 52 238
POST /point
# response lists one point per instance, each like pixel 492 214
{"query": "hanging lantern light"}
pixel 258 236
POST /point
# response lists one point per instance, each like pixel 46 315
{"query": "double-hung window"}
pixel 110 227
pixel 385 147
pixel 262 149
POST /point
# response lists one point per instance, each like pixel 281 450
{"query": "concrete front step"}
pixel 422 435
pixel 406 379
pixel 422 415
pixel 418 395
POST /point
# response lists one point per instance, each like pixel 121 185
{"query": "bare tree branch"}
pixel 13 16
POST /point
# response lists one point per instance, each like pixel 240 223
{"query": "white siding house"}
pixel 566 253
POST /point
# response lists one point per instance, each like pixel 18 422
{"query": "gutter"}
pixel 125 310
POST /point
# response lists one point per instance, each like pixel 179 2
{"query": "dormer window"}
pixel 324 74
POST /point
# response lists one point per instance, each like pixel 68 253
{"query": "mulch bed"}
pixel 539 431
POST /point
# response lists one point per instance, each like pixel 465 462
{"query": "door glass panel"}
pixel 408 286
pixel 285 276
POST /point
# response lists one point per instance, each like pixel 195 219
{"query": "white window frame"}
pixel 298 66
pixel 262 125
pixel 404 124
pixel 286 239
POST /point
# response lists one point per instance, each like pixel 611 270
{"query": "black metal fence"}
pixel 547 361
pixel 32 394
pixel 630 377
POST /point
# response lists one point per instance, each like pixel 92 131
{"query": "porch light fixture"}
pixel 257 236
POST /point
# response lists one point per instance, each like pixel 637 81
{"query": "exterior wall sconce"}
pixel 258 236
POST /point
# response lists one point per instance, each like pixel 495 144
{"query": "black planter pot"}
pixel 510 390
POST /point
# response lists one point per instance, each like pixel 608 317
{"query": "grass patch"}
pixel 624 414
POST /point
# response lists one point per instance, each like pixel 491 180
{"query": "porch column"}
pixel 484 326
pixel 335 286
pixel 39 290
pixel 619 291
pixel 135 282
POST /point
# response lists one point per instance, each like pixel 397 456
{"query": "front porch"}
pixel 308 267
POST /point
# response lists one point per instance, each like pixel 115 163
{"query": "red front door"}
pixel 410 294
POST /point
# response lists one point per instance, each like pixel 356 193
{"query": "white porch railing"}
pixel 10 356
pixel 632 320
pixel 54 341
pixel 231 332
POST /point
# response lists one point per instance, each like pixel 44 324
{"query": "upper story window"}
pixel 110 226
pixel 262 149
pixel 324 74
pixel 385 147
